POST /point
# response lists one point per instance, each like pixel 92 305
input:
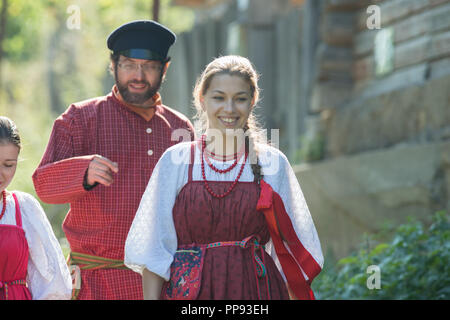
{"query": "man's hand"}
pixel 101 171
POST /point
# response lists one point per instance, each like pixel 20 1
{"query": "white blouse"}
pixel 48 276
pixel 152 239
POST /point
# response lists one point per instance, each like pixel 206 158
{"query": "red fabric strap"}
pixel 271 204
pixel 191 163
pixel 18 213
pixel 302 256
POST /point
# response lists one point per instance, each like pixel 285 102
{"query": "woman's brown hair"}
pixel 9 132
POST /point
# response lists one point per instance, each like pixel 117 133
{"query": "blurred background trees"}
pixel 53 53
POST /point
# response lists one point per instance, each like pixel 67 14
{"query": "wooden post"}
pixel 155 10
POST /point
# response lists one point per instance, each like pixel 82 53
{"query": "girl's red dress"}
pixel 13 260
pixel 228 271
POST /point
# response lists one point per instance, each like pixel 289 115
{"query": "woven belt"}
pixel 4 285
pixel 247 242
pixel 89 262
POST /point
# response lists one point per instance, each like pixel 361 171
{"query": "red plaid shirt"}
pixel 98 220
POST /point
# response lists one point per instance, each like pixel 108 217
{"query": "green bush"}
pixel 414 265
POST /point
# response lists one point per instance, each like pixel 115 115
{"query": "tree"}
pixel 3 19
pixel 155 11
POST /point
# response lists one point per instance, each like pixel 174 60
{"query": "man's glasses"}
pixel 146 67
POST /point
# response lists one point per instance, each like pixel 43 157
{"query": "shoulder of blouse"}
pixel 26 200
pixel 177 154
pixel 269 153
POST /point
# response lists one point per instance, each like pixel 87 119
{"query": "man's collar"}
pixel 146 113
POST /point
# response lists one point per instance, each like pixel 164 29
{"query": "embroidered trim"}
pixel 185 274
pixel 4 285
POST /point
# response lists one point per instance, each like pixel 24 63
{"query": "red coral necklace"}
pixel 220 171
pixel 4 204
pixel 235 157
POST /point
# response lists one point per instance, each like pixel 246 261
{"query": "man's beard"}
pixel 137 99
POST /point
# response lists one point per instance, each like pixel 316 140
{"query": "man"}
pixel 101 155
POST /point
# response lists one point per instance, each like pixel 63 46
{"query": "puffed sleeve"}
pixel 60 174
pixel 279 174
pixel 152 241
pixel 48 276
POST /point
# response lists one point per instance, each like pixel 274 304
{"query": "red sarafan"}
pixel 229 272
pixel 13 258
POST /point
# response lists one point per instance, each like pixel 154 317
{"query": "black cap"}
pixel 142 39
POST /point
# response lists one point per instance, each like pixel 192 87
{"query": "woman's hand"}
pixel 151 285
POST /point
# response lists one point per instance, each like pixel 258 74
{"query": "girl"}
pixel 224 217
pixel 32 265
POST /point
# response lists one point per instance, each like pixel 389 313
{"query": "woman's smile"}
pixel 229 121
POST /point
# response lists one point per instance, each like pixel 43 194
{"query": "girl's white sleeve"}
pixel 48 276
pixel 152 241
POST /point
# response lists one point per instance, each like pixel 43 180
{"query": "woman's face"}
pixel 9 153
pixel 227 102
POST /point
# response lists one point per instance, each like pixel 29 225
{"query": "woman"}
pixel 32 265
pixel 216 211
